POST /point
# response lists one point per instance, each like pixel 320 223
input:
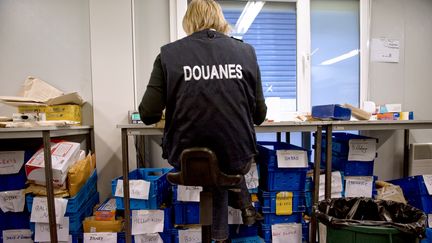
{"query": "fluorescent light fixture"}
pixel 341 57
pixel 247 17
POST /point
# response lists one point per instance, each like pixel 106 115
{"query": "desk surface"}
pixel 36 132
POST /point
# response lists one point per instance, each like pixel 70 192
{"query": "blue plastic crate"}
pixel 428 238
pixel 331 112
pixel 283 179
pixel 305 231
pixel 242 230
pixel 251 239
pixel 340 141
pixel 16 181
pixel 186 213
pixel 159 188
pixel 267 153
pixel 12 220
pixel 413 185
pixel 268 201
pixel 166 237
pixel 272 218
pixel 77 202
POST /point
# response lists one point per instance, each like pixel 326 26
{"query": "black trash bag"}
pixel 342 212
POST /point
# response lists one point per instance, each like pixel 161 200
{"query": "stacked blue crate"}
pixel 416 192
pixel 13 182
pixel 78 207
pixel 274 180
pixel 158 198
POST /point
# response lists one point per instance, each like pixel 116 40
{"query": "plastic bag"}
pixel 342 212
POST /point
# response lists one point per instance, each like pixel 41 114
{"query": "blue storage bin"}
pixel 428 238
pixel 159 188
pixel 12 182
pixel 272 218
pixel 242 230
pixel 186 213
pixel 251 239
pixel 340 141
pixel 268 201
pixel 267 153
pixel 415 192
pixel 12 220
pixel 77 202
pixel 283 179
pixel 305 231
pixel 331 112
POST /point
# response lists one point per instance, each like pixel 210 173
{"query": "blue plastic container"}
pixel 159 188
pixel 242 231
pixel 428 238
pixel 283 179
pixel 267 153
pixel 75 203
pixel 272 218
pixel 251 239
pixel 186 213
pixel 11 220
pixel 331 112
pixel 12 182
pixel 268 201
pixel 415 192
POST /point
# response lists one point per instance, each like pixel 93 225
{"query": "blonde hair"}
pixel 204 14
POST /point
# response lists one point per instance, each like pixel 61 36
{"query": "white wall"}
pixel 407 82
pixel 48 39
pixel 113 89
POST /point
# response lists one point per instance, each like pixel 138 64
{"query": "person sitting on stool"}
pixel 210 87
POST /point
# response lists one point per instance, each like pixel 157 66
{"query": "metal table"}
pixel 46 133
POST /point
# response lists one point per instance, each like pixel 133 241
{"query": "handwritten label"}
pixel 188 193
pixel 251 177
pixel 17 236
pixel 428 182
pixel 336 184
pixel 190 235
pixel 100 237
pixel 42 231
pixel 291 158
pixel 362 149
pixel 138 189
pixel 282 233
pixel 12 201
pixel 148 238
pixel 284 203
pixel 358 186
pixel 234 216
pixel 429 216
pixel 147 221
pixel 39 212
pixel 11 162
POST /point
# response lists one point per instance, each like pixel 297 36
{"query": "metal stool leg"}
pixel 206 209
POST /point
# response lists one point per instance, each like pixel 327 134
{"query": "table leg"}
pixel 125 164
pixel 406 152
pixel 328 179
pixel 316 175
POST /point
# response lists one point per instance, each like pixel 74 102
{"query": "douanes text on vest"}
pixel 206 72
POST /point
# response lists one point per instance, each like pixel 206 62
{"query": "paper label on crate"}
pixel 138 189
pixel 12 201
pixel 291 158
pixel 358 186
pixel 333 195
pixel 147 221
pixel 284 203
pixel 234 216
pixel 428 182
pixel 282 233
pixel 39 212
pixel 362 149
pixel 188 193
pixel 322 230
pixel 11 162
pixel 105 237
pixel 251 177
pixel 429 216
pixel 148 238
pixel 42 231
pixel 17 236
pixel 190 235
pixel 336 183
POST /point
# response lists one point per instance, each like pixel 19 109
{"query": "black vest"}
pixel 210 89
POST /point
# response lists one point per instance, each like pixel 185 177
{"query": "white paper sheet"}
pixel 358 186
pixel 428 183
pixel 147 221
pixel 138 189
pixel 190 235
pixel 42 231
pixel 292 159
pixel 100 237
pixel 251 178
pixel 283 233
pixel 188 193
pixel 148 238
pixel 234 216
pixel 336 184
pixel 17 236
pixel 362 149
pixel 39 212
pixel 385 50
pixel 11 162
pixel 12 201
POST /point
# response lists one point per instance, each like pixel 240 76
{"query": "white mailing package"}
pixel 63 155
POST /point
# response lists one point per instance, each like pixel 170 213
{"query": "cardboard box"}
pixel 55 112
pixel 63 155
pixel 107 210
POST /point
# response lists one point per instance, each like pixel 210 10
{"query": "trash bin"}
pixel 364 220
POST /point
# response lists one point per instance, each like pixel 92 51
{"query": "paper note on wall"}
pixel 100 237
pixel 138 189
pixel 11 162
pixel 251 178
pixel 385 50
pixel 147 221
pixel 362 149
pixel 282 233
pixel 292 158
pixel 17 236
pixel 12 201
pixel 148 238
pixel 188 193
pixel 42 231
pixel 39 212
pixel 358 186
pixel 192 235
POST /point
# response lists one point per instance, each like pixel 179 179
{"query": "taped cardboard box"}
pixel 55 112
pixel 91 225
